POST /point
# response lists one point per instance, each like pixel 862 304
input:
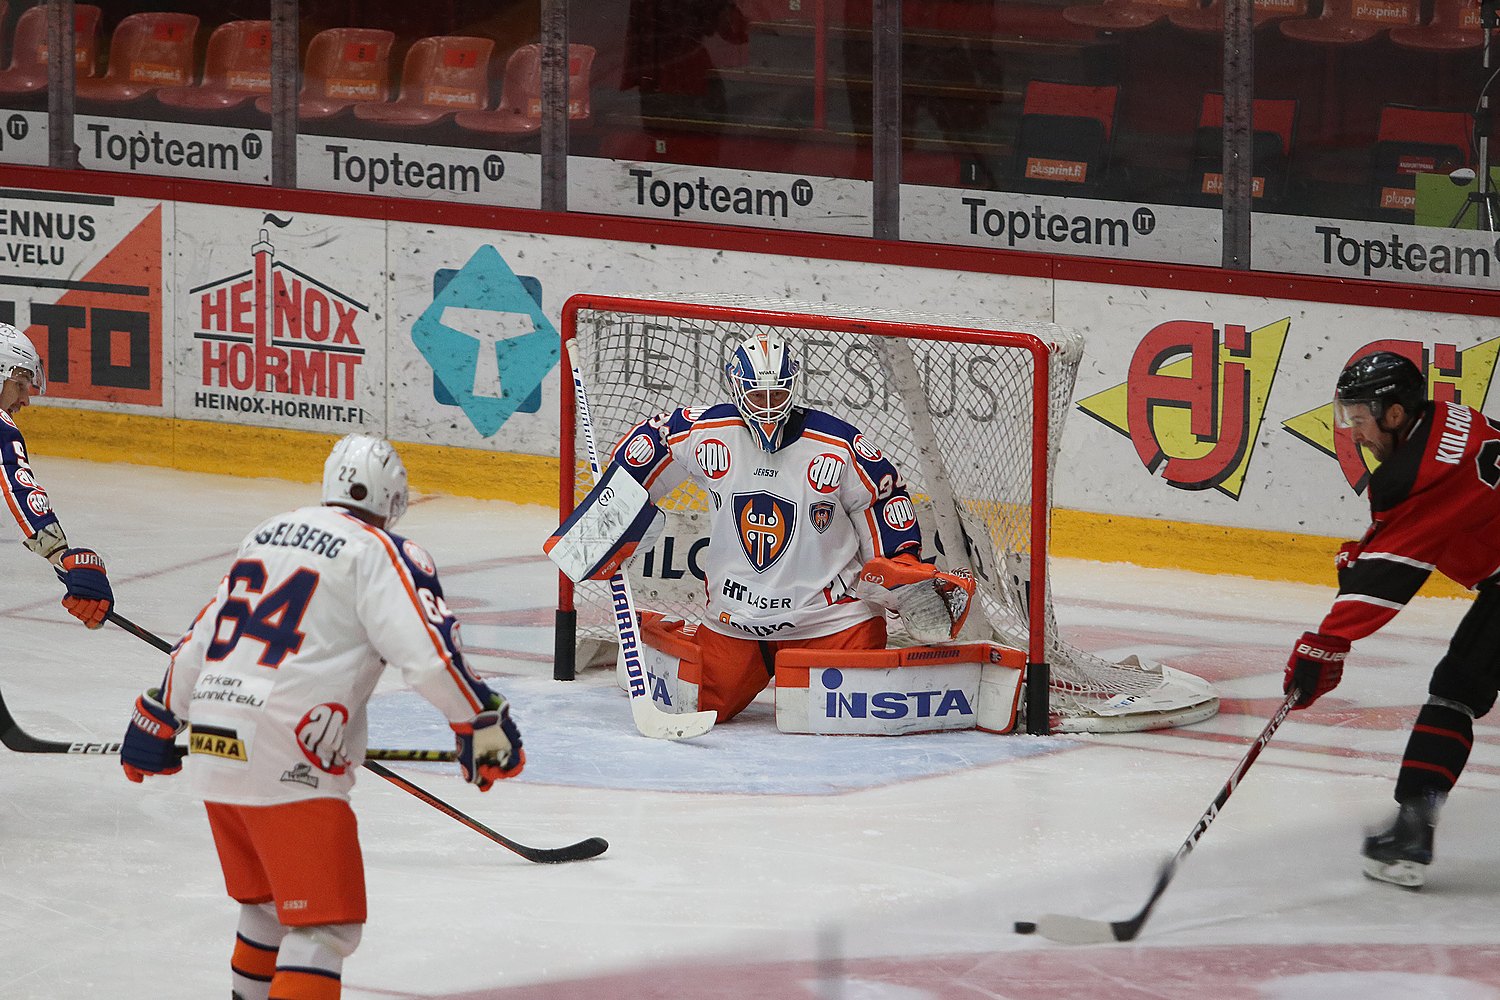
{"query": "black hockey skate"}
pixel 1400 855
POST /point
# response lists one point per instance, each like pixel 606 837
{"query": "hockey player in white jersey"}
pixel 812 533
pixel 272 681
pixel 88 594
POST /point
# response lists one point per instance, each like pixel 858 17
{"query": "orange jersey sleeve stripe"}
pixel 13 503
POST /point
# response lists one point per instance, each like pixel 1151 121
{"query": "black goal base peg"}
pixel 1025 927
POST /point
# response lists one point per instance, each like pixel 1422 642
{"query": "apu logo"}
pixel 419 557
pixel 765 526
pixel 487 340
pixel 821 515
pixel 889 704
pixel 713 458
pixel 639 450
pixel 1453 376
pixel 321 736
pixel 1194 400
pixel 900 514
pixel 866 449
pixel 275 329
pixel 825 472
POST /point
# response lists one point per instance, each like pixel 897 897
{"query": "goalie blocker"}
pixel 872 692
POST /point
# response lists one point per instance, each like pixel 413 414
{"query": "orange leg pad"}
pixel 296 984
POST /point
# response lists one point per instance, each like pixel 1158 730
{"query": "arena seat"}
pixel 343 67
pixel 520 108
pixel 147 52
pixel 236 69
pixel 1349 22
pixel 1210 19
pixel 441 75
pixel 1123 15
pixel 1454 26
pixel 1275 124
pixel 1413 141
pixel 1064 138
pixel 28 51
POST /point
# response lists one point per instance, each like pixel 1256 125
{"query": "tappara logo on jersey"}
pixel 713 458
pixel 821 515
pixel 321 736
pixel 765 526
pixel 825 472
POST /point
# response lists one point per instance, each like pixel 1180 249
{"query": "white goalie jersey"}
pixel 274 674
pixel 790 529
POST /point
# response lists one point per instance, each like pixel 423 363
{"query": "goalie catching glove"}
pixel 613 522
pixel 932 603
pixel 489 747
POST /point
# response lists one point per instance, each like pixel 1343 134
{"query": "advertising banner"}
pixel 83 276
pixel 23 137
pixel 1000 220
pixel 406 170
pixel 280 319
pixel 173 149
pixel 686 193
pixel 1376 251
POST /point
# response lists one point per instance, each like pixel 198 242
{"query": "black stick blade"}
pixel 581 851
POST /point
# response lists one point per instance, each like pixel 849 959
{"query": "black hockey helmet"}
pixel 1381 379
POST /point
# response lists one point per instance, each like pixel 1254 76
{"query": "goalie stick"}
pixel 589 848
pixel 650 720
pixel 1081 930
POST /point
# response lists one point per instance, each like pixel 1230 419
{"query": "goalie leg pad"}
pixel 615 520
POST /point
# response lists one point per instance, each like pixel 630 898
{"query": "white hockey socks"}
pixel 311 962
pixel 256 941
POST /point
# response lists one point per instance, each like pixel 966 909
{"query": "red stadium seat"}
pixel 1064 139
pixel 1347 22
pixel 1414 141
pixel 1454 26
pixel 1117 15
pixel 442 75
pixel 1210 19
pixel 237 68
pixel 146 52
pixel 520 108
pixel 28 52
pixel 1271 147
pixel 343 67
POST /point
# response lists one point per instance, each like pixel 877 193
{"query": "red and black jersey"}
pixel 1434 505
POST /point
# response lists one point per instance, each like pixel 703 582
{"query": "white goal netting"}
pixel 957 405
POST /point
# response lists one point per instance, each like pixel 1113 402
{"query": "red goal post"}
pixel 971 416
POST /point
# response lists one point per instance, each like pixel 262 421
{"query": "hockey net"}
pixel 969 413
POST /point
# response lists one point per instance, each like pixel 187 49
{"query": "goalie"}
pixel 812 534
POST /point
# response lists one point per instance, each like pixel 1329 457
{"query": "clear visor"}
pixel 25 376
pixel 1357 413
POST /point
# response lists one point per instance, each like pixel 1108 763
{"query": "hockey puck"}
pixel 1025 927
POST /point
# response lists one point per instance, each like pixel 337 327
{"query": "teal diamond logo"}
pixel 487 340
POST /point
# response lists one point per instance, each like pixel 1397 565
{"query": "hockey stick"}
pixel 1080 930
pixel 17 740
pixel 589 848
pixel 650 720
pixel 584 849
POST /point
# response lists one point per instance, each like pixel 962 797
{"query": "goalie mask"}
pixel 763 376
pixel 16 351
pixel 365 473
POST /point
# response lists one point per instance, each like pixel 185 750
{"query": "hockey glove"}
pixel 489 747
pixel 89 597
pixel 932 603
pixel 148 746
pixel 1315 667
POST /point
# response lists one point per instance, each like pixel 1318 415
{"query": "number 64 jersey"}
pixel 274 674
pixel 790 529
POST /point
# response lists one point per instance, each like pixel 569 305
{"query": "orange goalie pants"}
pixel 735 670
pixel 304 855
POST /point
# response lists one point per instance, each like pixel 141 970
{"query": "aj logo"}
pixel 487 340
pixel 1453 376
pixel 1194 400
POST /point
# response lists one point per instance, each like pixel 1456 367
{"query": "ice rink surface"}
pixel 748 863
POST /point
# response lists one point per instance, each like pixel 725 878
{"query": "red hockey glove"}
pixel 148 748
pixel 1315 667
pixel 89 596
pixel 489 747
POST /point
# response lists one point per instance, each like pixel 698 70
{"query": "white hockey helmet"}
pixel 365 473
pixel 763 376
pixel 17 351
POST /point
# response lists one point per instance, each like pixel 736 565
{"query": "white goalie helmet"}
pixel 16 351
pixel 365 473
pixel 764 373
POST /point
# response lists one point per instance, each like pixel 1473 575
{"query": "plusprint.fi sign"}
pixel 487 340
